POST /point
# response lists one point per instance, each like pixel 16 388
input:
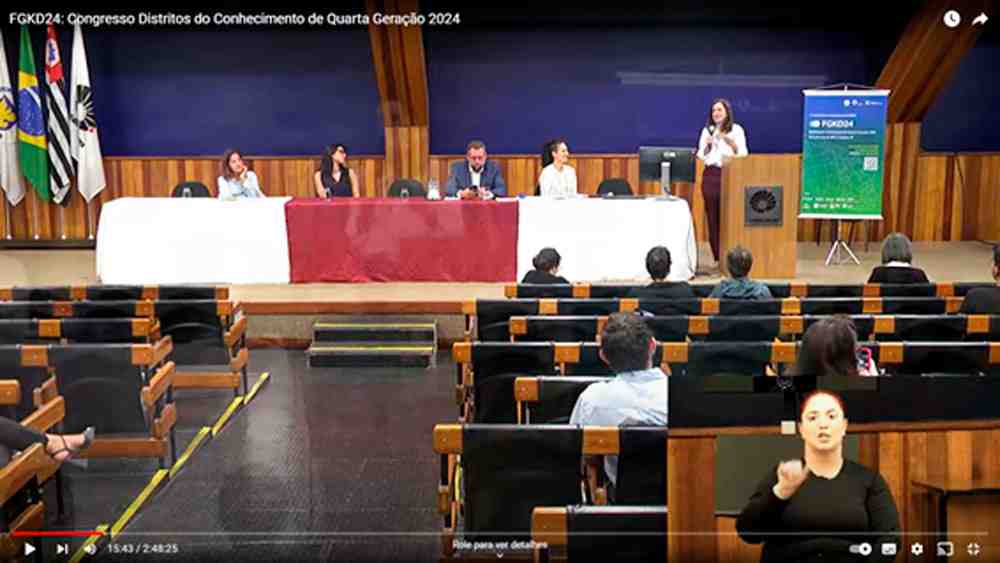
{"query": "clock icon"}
pixel 952 18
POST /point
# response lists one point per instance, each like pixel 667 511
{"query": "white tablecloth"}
pixel 606 239
pixel 147 241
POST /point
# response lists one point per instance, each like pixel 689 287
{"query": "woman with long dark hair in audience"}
pixel 821 507
pixel 830 347
pixel 237 181
pixel 546 264
pixel 897 254
pixel 334 178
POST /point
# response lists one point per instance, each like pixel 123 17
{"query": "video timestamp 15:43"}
pixel 142 548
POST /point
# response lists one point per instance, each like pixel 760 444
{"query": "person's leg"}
pixel 711 191
pixel 19 437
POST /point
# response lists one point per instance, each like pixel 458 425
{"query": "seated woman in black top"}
pixel 985 300
pixel 546 264
pixel 334 178
pixel 658 265
pixel 818 507
pixel 896 257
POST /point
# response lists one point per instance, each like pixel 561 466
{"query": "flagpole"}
pixel 91 220
pixel 34 219
pixel 7 227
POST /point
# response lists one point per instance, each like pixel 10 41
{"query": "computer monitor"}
pixel 666 165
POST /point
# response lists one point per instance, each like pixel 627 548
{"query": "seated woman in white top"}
pixel 237 181
pixel 558 179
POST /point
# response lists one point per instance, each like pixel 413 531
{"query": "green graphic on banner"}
pixel 843 153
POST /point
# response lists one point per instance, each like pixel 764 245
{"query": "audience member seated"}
pixel 334 178
pixel 658 265
pixel 830 347
pixel 60 447
pixel 476 178
pixel 558 179
pixel 897 254
pixel 546 264
pixel 739 261
pixel 821 492
pixel 237 181
pixel 636 396
pixel 985 300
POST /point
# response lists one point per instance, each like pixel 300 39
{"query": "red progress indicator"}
pixel 57 534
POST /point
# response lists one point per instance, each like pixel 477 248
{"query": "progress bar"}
pixel 57 533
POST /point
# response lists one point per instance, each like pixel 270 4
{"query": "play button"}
pixel 28 549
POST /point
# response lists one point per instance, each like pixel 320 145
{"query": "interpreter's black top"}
pixel 540 276
pixel 663 290
pixel 897 274
pixel 823 518
pixel 982 301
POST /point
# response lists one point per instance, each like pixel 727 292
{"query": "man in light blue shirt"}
pixel 637 396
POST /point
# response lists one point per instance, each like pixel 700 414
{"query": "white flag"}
pixel 10 168
pixel 84 143
pixel 60 169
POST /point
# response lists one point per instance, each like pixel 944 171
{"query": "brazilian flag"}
pixel 34 155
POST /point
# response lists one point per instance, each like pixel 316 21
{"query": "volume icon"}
pixel 90 549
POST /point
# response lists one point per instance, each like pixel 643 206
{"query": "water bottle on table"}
pixel 432 190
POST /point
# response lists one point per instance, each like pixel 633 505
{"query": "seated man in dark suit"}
pixel 985 300
pixel 658 266
pixel 476 177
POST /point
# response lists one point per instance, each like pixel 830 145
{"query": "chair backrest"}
pixel 412 188
pixel 555 397
pixel 495 365
pixel 102 388
pixel 30 377
pixel 616 533
pixel 196 327
pixel 190 189
pixel 642 466
pixel 509 469
pixel 614 186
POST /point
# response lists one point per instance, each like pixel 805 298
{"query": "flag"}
pixel 60 169
pixel 30 125
pixel 10 168
pixel 84 143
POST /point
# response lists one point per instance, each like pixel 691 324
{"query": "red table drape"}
pixel 380 240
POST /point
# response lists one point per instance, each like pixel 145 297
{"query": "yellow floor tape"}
pixel 82 552
pixel 134 507
pixel 225 416
pixel 256 387
pixel 190 450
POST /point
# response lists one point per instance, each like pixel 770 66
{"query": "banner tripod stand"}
pixel 840 245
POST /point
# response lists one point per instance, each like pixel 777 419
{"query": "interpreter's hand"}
pixel 791 475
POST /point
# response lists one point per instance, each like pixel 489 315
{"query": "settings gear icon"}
pixel 917 549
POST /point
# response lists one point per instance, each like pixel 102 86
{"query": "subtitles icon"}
pixel 945 549
pixel 888 549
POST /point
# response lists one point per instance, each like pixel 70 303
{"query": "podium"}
pixel 759 217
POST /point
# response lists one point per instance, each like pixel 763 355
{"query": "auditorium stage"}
pixel 282 315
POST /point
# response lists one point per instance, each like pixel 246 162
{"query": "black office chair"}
pixel 193 189
pixel 614 187
pixel 405 187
